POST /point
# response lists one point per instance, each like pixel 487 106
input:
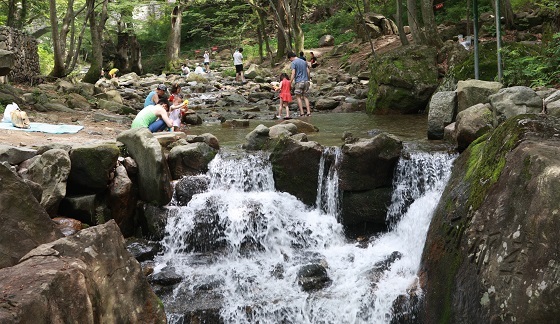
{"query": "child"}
pixel 175 111
pixel 285 95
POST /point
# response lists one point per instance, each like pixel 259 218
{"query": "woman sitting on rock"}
pixel 154 117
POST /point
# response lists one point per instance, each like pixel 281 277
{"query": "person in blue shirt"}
pixel 300 78
pixel 155 95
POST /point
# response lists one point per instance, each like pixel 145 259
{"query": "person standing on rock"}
pixel 300 78
pixel 207 61
pixel 154 117
pixel 155 95
pixel 238 63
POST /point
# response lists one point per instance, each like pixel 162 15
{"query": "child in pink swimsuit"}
pixel 285 95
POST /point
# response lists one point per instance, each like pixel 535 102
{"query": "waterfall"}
pixel 328 197
pixel 243 244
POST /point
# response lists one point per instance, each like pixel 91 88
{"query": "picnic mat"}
pixel 45 128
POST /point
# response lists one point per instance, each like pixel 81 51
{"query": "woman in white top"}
pixel 207 61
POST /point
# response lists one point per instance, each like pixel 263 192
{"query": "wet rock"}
pixel 313 277
pixel 190 159
pixel 68 226
pixel 187 187
pixel 142 249
pixel 165 277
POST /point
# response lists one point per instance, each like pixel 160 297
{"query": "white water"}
pixel 290 235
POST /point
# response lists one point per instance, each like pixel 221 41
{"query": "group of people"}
pixel 160 112
pixel 300 77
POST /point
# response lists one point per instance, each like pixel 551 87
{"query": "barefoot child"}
pixel 285 95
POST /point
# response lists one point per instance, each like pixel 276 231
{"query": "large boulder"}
pixel 190 159
pixel 51 172
pixel 25 224
pixel 6 62
pixel 403 80
pixel 154 177
pixel 471 124
pixel 85 278
pixel 369 163
pixel 92 166
pixel 491 250
pixel 366 210
pixel 472 92
pixel 302 127
pixel 442 111
pixel 296 168
pixel 187 187
pixel 509 102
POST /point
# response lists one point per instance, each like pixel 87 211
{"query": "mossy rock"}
pixel 402 81
pixel 91 167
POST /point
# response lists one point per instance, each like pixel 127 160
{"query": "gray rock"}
pixel 280 130
pixel 472 92
pixel 83 208
pixel 513 101
pixel 326 40
pixel 51 171
pixel 92 166
pixel 257 139
pixel 190 159
pixel 326 104
pixel 472 123
pixel 122 201
pixel 154 178
pixel 6 61
pixel 442 111
pixel 187 187
pixel 15 155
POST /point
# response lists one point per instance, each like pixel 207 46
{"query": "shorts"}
pixel 301 87
pixel 239 68
pixel 206 63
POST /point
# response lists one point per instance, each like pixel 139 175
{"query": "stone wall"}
pixel 26 58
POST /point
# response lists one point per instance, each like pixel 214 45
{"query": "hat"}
pixel 162 87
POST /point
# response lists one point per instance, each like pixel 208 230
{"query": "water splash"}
pixel 245 243
pixel 328 195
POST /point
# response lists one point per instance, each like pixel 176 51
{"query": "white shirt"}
pixel 206 57
pixel 237 58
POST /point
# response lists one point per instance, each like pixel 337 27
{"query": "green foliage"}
pixel 229 72
pixel 46 58
pixel 532 65
pixel 339 25
pixel 456 10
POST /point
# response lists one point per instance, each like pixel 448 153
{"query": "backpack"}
pixel 19 119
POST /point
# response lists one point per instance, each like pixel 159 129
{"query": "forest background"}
pixel 77 36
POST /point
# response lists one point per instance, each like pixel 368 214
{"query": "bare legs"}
pixel 299 103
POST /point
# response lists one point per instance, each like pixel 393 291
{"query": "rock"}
pixel 92 166
pixel 142 249
pixel 282 130
pixel 65 86
pixel 6 62
pixel 471 124
pixel 190 159
pixel 154 177
pixel 189 186
pixel 494 229
pixel 25 224
pixel 51 171
pixel 115 107
pixel 369 163
pixel 293 176
pixel 122 201
pixel 84 208
pixel 442 111
pixel 326 104
pixel 166 277
pixel 53 106
pixel 15 155
pixel 312 277
pixel 403 80
pixel 192 119
pixel 111 96
pixel 257 139
pixel 302 127
pixel 76 101
pixel 153 219
pixel 472 92
pixel 167 138
pixel 326 40
pixel 123 120
pixel 449 133
pixel 79 279
pixel 207 138
pixel 366 210
pixel 513 101
pixel 35 188
pixel 235 123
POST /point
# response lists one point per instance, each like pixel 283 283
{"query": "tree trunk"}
pixel 96 24
pixel 135 55
pixel 281 34
pixel 174 40
pixel 412 14
pixel 296 12
pixel 367 7
pixel 431 35
pixel 58 44
pixel 398 19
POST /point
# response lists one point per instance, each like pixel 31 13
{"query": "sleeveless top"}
pixel 144 118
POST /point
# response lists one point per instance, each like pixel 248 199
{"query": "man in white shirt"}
pixel 207 61
pixel 238 63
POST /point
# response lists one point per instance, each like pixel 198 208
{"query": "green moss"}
pixel 487 158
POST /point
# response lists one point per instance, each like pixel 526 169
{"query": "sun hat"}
pixel 162 87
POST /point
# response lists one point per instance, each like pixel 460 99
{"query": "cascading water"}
pixel 328 198
pixel 241 245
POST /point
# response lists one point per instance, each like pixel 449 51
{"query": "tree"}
pixel 431 36
pixel 173 45
pixel 97 19
pixel 65 51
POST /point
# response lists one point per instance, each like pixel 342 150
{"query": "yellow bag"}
pixel 20 119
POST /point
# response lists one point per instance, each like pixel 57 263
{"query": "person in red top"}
pixel 285 94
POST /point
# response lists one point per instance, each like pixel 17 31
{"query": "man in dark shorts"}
pixel 238 63
pixel 300 75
